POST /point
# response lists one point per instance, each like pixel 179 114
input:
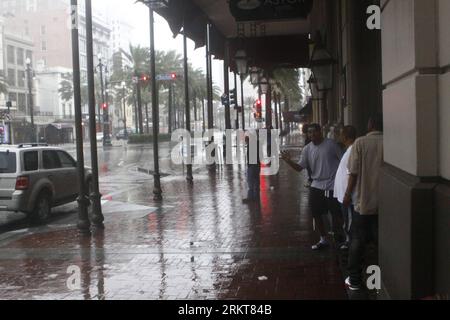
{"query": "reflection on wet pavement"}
pixel 201 243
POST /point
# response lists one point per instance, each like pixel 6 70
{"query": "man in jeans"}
pixel 322 156
pixel 348 137
pixel 364 167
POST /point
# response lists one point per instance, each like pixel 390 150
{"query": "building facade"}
pixel 401 70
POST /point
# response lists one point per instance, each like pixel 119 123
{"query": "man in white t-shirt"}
pixel 322 157
pixel 348 137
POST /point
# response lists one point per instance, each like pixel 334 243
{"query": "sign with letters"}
pixel 257 10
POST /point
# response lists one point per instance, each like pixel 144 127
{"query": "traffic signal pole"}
pixel 226 80
pixel 190 178
pixel 236 101
pixel 83 200
pixel 97 216
pixel 157 191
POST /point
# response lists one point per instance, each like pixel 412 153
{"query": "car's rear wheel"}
pixel 42 208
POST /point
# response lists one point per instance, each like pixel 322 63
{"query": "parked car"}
pixel 99 136
pixel 121 134
pixel 34 178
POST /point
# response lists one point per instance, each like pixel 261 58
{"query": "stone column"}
pixel 410 256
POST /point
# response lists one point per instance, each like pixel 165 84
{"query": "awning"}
pixel 307 109
pixel 61 126
pixel 293 117
pixel 275 37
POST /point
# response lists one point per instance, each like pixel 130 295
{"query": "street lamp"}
pixel 105 102
pixel 321 65
pixel 313 87
pixel 264 85
pixel 254 76
pixel 124 85
pixel 152 4
pixel 242 66
pixel 241 62
pixel 30 97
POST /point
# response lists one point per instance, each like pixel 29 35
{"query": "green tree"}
pixel 289 80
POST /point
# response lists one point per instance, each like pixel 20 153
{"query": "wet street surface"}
pixel 201 242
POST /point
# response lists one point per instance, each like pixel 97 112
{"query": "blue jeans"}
pixel 253 180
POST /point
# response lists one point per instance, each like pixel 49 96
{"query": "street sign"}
pixel 5 116
pixel 167 77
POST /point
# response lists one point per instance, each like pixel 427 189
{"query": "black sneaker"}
pixel 320 245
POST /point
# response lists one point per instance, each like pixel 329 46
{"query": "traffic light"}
pixel 224 99
pixel 258 113
pixel 144 78
pixel 233 101
pixel 173 76
pixel 104 106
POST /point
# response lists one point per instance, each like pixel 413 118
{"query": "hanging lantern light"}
pixel 254 76
pixel 264 83
pixel 241 62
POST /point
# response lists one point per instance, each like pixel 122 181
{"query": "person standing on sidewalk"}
pixel 348 137
pixel 322 156
pixel 307 141
pixel 253 166
pixel 364 166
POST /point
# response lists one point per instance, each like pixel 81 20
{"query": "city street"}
pixel 201 242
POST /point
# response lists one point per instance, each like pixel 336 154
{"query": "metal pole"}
pixel 277 123
pixel 209 77
pixel 190 178
pixel 203 116
pixel 226 85
pixel 106 131
pixel 139 107
pixel 83 200
pixel 136 121
pixel 155 112
pixel 147 125
pixel 170 107
pixel 269 107
pixel 125 133
pixel 280 111
pixel 30 101
pixel 97 216
pixel 237 104
pixel 242 102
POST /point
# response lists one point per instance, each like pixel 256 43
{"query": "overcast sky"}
pixel 137 15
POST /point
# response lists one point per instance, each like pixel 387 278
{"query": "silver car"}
pixel 34 178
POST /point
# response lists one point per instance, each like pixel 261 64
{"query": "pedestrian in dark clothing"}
pixel 253 166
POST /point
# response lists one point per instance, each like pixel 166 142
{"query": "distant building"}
pixel 47 24
pixel 16 51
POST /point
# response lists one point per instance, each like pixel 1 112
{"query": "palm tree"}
pixel 289 81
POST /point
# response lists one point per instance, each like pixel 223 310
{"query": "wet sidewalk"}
pixel 201 243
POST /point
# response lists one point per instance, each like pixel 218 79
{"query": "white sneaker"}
pixel 351 287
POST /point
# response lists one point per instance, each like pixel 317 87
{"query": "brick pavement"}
pixel 201 243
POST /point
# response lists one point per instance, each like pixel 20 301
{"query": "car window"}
pixel 66 160
pixel 51 160
pixel 31 161
pixel 8 162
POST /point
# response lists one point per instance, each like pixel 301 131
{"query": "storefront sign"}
pixel 256 10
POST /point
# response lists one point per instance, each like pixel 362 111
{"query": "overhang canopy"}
pixel 274 33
